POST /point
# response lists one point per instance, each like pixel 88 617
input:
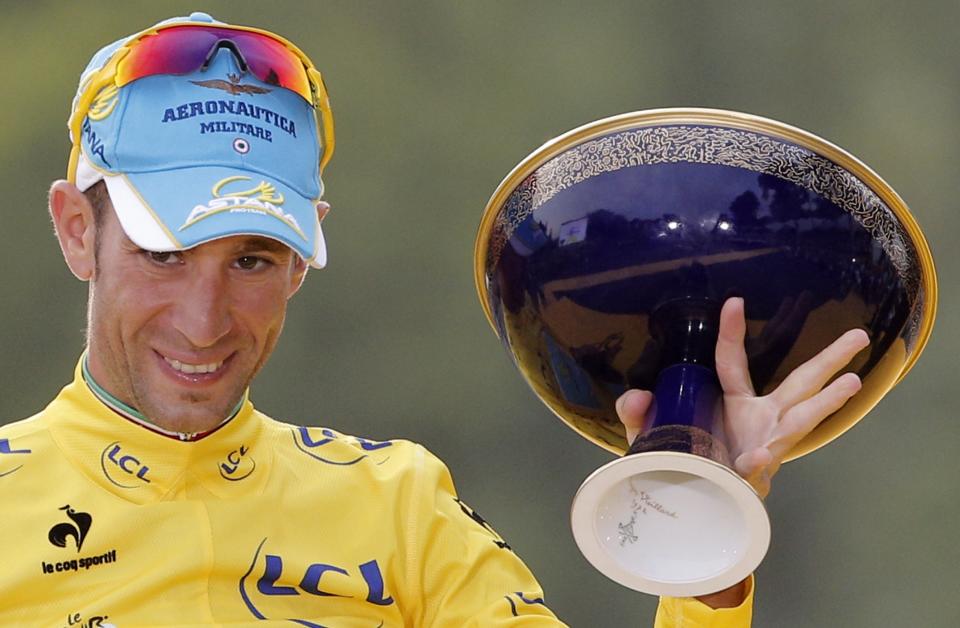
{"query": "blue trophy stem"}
pixel 686 413
pixel 686 394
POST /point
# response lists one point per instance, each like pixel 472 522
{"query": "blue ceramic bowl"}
pixel 591 242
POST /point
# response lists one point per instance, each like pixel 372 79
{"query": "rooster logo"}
pixel 78 529
pixel 233 86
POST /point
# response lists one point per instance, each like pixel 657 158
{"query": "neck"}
pixel 138 417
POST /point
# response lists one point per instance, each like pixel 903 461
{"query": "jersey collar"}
pixel 135 460
pixel 135 415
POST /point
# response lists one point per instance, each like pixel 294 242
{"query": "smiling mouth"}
pixel 192 369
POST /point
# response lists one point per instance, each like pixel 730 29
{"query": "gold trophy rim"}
pixel 741 121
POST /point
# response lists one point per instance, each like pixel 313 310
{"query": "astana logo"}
pixel 104 103
pixel 262 198
pixel 78 529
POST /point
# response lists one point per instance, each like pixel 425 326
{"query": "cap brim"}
pixel 179 209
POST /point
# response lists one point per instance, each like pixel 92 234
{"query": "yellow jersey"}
pixel 258 523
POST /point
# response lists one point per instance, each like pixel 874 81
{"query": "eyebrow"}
pixel 258 243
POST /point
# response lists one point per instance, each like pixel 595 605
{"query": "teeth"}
pixel 190 369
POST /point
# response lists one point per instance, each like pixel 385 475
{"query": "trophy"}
pixel 602 261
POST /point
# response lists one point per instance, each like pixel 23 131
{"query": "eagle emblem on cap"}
pixel 234 86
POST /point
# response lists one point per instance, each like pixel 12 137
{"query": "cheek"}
pixel 262 309
pixel 123 308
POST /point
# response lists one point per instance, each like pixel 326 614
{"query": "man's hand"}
pixel 760 431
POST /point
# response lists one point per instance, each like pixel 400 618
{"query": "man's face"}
pixel 179 336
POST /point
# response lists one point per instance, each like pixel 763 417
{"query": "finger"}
pixel 809 377
pixel 750 463
pixel 755 467
pixel 632 407
pixel 731 357
pixel 800 420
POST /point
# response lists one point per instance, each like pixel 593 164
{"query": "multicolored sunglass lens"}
pixel 184 49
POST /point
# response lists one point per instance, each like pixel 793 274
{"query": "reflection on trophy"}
pixel 602 262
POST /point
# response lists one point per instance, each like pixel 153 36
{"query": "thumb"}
pixel 632 407
pixel 754 467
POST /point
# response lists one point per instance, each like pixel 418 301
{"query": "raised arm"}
pixel 761 430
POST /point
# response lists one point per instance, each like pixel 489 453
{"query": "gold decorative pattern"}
pixel 717 146
pixel 912 330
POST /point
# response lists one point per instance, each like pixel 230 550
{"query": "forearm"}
pixel 728 598
pixel 697 612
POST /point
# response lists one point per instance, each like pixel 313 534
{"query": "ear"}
pixel 75 226
pixel 297 275
pixel 323 208
pixel 300 267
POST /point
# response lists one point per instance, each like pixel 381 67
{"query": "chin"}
pixel 189 418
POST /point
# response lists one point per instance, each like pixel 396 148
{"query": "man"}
pixel 150 491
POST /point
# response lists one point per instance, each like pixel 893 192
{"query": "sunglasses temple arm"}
pixel 326 115
pixel 328 138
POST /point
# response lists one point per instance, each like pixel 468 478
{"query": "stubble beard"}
pixel 202 412
pixel 189 412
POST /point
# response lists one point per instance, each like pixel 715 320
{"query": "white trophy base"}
pixel 669 523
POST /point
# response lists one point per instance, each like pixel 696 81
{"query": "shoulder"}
pixel 23 442
pixel 352 455
pixel 24 427
pixel 27 432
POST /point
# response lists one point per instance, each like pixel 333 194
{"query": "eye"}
pixel 164 258
pixel 252 262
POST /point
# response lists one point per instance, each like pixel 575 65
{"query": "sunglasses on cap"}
pixel 185 48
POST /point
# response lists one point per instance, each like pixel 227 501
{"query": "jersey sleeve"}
pixel 467 574
pixel 688 612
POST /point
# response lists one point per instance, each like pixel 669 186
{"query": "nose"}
pixel 201 312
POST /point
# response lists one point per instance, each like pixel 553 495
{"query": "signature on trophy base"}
pixel 642 503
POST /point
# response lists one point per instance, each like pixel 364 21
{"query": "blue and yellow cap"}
pixel 191 158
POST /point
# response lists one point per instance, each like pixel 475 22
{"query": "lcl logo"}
pixel 364 581
pixel 237 464
pixel 122 468
pixel 306 442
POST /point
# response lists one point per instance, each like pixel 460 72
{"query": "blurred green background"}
pixel 435 102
